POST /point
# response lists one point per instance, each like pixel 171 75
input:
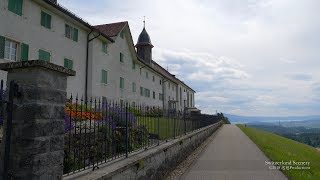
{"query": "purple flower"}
pixel 69 123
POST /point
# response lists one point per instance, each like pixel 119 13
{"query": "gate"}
pixel 6 109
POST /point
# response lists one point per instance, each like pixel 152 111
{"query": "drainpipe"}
pixel 163 89
pixel 87 62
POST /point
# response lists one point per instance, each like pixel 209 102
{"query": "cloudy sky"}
pixel 243 57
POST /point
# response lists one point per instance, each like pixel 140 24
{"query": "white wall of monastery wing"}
pixel 110 62
pixel 27 29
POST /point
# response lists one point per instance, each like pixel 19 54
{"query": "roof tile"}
pixel 112 29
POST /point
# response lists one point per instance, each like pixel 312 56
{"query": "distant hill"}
pixel 290 121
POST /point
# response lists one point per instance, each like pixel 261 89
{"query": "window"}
pixel 10 50
pixel 147 75
pixel 154 95
pixel 44 55
pixel 133 103
pixel 121 83
pixel 15 6
pixel 133 87
pixel 147 92
pixel 153 79
pixel 160 96
pixel 71 32
pixel 141 91
pixel 133 65
pixel 121 57
pixel 45 20
pixel 104 76
pixel 105 47
pixel 160 82
pixel 68 63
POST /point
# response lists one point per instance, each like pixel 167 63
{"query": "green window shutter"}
pixel 104 47
pixel 75 34
pixel 104 76
pixel 48 21
pixel 141 91
pixel 68 63
pixel 43 19
pixel 12 5
pixel 2 46
pixel 121 83
pixel 121 57
pixel 133 87
pixel 15 6
pixel 19 7
pixel 67 30
pixel 44 55
pixel 24 52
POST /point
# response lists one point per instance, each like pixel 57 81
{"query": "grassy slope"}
pixel 278 148
pixel 166 126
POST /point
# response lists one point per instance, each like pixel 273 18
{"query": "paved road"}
pixel 231 156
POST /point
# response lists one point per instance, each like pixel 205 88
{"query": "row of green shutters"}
pixel 43 55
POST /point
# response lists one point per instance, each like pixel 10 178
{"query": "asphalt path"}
pixel 231 155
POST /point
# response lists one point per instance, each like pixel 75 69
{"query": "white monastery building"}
pixel 107 62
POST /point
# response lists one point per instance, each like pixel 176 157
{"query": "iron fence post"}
pixel 158 127
pixel 184 120
pixel 127 130
pixel 12 89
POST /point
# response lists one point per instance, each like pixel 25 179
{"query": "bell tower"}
pixel 144 45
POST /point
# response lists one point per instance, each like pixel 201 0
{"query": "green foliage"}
pixel 147 111
pixel 165 128
pixel 101 145
pixel 224 119
pixel 278 148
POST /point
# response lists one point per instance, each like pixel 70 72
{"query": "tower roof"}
pixel 144 38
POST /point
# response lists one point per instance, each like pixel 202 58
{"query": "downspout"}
pixel 87 62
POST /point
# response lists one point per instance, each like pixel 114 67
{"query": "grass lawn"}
pixel 278 148
pixel 167 126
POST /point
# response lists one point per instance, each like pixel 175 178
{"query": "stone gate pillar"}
pixel 37 138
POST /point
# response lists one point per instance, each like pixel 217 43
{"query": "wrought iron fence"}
pixel 99 131
pixel 1 109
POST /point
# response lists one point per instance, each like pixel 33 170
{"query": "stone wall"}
pixel 154 163
pixel 37 133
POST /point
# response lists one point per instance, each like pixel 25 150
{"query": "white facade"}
pixel 27 29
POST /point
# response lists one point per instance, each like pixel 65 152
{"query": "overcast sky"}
pixel 243 57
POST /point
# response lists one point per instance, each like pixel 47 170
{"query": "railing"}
pixel 99 131
pixel 2 98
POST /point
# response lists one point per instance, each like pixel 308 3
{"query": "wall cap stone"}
pixel 36 63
